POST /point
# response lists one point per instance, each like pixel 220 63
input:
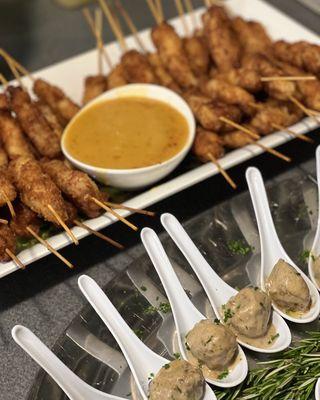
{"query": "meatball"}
pixel 212 344
pixel 250 312
pixel 178 380
pixel 287 288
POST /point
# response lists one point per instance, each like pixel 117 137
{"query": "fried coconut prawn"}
pixel 24 217
pixel 7 241
pixel 221 39
pixel 116 77
pixel 172 54
pixel 62 106
pixel 252 36
pixel 301 54
pixel 34 123
pixel 198 54
pixel 14 142
pixel 208 112
pixel 7 190
pixel 36 189
pixel 77 186
pixel 161 73
pixel 207 144
pixel 94 86
pixel 137 68
pixel 246 78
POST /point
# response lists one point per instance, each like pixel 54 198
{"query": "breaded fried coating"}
pixel 94 86
pixel 171 52
pixel 7 241
pixel 13 139
pixel 220 38
pixel 252 36
pixel 24 217
pixel 230 94
pixel 7 190
pixel 197 54
pixel 51 118
pixel 36 189
pixel 72 213
pixel 4 104
pixel 3 157
pixel 205 143
pixel 76 185
pixel 137 68
pixel 280 90
pixel 310 90
pixel 246 78
pixel 301 54
pixel 236 139
pixel 268 115
pixel 33 123
pixel 64 108
pixel 208 113
pixel 116 77
pixel 163 76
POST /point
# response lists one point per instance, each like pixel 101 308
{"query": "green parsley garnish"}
pixel 239 247
pixel 143 288
pixel 273 338
pixel 223 374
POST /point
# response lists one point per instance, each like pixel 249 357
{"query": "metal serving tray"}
pixel 293 197
pixel 70 75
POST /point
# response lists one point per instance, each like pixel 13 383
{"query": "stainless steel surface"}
pixel 213 231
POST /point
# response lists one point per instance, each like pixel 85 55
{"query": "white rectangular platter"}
pixel 70 75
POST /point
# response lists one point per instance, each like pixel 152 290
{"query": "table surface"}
pixel 45 298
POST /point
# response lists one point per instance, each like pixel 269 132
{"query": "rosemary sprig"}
pixel 291 376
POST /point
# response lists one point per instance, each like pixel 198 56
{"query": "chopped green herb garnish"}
pixel 151 376
pixel 187 346
pixel 166 366
pixel 177 356
pixel 304 256
pixel 239 247
pixel 143 288
pixel 216 321
pixel 273 338
pixel 223 374
pixel 227 314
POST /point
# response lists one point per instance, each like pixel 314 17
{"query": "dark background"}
pixel 45 298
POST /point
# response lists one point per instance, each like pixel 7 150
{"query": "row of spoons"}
pixel 141 359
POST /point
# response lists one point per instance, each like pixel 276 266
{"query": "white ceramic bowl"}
pixel 136 178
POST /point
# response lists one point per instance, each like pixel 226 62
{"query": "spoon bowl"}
pixel 271 248
pixel 185 314
pixel 317 391
pixel 218 291
pixel 315 249
pixel 143 362
pixel 74 387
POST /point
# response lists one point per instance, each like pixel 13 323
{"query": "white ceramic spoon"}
pixel 74 387
pixel 185 314
pixel 142 361
pixel 217 290
pixel 317 391
pixel 271 248
pixel 315 249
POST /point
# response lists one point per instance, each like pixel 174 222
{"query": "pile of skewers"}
pixel 239 84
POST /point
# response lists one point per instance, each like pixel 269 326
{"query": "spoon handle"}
pixel 217 290
pixel 135 351
pixel 69 382
pixel 316 240
pixel 182 308
pixel 271 248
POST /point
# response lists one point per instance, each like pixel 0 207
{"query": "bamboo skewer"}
pixel 98 26
pixel 3 80
pixel 3 221
pixel 15 259
pixel 114 213
pixel 252 136
pixel 131 25
pixel 9 204
pixel 222 171
pixel 154 12
pixel 182 16
pixel 303 108
pixel 90 22
pixel 287 78
pixel 190 10
pixel 240 127
pixel 115 28
pixel 99 234
pixel 159 8
pixel 20 67
pixel 49 247
pixel 135 210
pixel 300 136
pixel 62 223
